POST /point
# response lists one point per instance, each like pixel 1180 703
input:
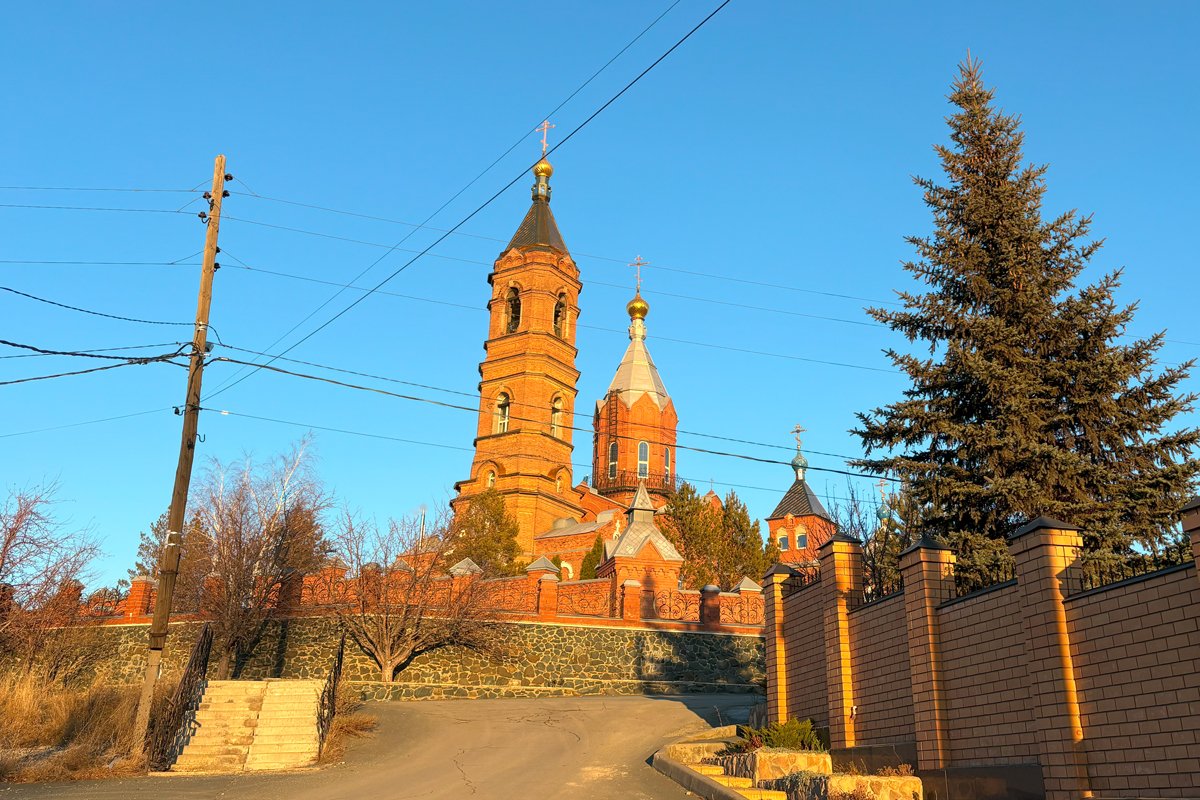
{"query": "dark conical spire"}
pixel 539 229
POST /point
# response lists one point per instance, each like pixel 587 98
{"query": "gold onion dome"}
pixel 638 308
pixel 542 169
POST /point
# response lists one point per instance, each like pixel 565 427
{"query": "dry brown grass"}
pixel 350 721
pixel 54 731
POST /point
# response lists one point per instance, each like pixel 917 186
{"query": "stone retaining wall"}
pixel 545 659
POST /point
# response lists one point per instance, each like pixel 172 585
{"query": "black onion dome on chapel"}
pixel 800 501
pixel 538 229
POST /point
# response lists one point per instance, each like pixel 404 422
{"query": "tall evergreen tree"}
pixel 1028 402
pixel 587 570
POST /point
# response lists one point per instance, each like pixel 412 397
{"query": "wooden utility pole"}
pixel 168 568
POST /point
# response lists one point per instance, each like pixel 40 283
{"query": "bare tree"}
pixel 396 598
pixel 263 525
pixel 881 526
pixel 42 564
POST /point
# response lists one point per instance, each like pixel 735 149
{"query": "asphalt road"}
pixel 581 747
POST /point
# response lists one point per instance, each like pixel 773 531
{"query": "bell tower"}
pixel 635 423
pixel 528 376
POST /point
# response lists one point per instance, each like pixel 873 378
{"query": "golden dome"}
pixel 638 308
pixel 542 169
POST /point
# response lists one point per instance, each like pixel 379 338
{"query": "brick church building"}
pixel 527 414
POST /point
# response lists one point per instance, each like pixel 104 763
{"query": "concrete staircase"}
pixel 742 786
pixel 253 725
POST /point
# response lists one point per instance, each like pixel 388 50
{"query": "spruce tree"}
pixel 485 533
pixel 719 543
pixel 1028 402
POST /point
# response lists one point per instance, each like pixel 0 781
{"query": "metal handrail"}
pixel 328 706
pixel 164 738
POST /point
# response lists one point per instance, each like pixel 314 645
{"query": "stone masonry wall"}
pixel 545 660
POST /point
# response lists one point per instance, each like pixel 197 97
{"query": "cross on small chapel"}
pixel 799 429
pixel 882 488
pixel 544 128
pixel 637 264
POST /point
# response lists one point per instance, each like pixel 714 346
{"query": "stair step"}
pixel 706 769
pixel 188 762
pixel 272 737
pixel 762 794
pixel 262 748
pixel 217 749
pixel 734 783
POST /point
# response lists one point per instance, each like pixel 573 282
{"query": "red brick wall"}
pixel 805 653
pixel 1136 649
pixel 880 670
pixel 988 715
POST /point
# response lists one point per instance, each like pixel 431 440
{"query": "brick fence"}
pixel 1037 684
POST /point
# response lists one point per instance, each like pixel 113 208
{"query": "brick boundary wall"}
pixel 1028 688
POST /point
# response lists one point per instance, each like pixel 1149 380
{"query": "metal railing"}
pixel 328 707
pixel 1000 570
pixel 171 730
pixel 629 479
pixel 1102 569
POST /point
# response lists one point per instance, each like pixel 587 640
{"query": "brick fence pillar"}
pixel 631 600
pixel 927 569
pixel 841 590
pixel 141 590
pixel 1191 527
pixel 710 607
pixel 1045 551
pixel 777 675
pixel 547 596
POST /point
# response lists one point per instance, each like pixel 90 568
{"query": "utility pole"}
pixel 168 568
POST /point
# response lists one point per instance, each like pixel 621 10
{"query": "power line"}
pixel 89 311
pixel 474 410
pixel 688 342
pixel 93 208
pixel 81 353
pixel 99 350
pixel 84 422
pixel 128 363
pixel 442 446
pixel 228 384
pixel 88 189
pixel 489 201
pixel 479 397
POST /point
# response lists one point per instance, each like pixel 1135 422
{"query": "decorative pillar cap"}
pixel 1042 523
pixel 710 589
pixel 543 564
pixel 781 569
pixel 1192 505
pixel 926 542
pixel 841 538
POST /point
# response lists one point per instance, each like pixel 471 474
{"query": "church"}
pixel 527 416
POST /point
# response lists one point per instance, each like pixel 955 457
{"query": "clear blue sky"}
pixel 776 146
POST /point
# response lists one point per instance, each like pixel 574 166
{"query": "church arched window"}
pixel 512 307
pixel 556 418
pixel 667 464
pixel 783 544
pixel 491 479
pixel 503 407
pixel 612 460
pixel 643 460
pixel 560 316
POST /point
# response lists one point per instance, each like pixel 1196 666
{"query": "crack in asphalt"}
pixel 462 771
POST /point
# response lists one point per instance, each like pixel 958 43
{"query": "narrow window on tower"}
pixel 783 544
pixel 560 317
pixel 667 464
pixel 503 403
pixel 612 461
pixel 513 303
pixel 556 415
pixel 491 479
pixel 643 460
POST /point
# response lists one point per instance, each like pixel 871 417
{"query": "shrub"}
pixel 794 734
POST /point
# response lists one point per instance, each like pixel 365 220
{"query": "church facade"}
pixel 528 423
